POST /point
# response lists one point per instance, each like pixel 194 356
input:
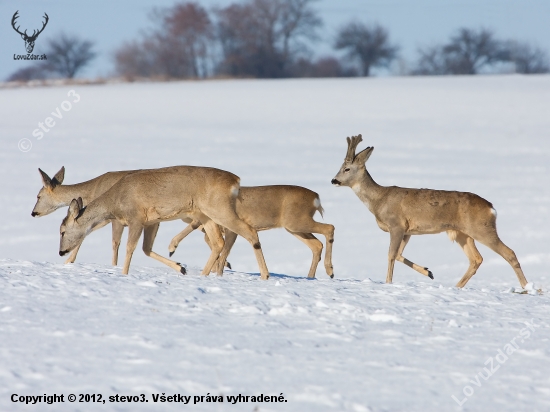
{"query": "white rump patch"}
pixel 494 211
pixel 452 235
pixel 316 203
pixel 235 191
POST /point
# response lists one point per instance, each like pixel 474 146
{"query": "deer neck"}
pixel 66 193
pixel 367 190
pixel 94 214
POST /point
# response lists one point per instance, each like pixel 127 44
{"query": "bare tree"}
pixel 467 52
pixel 179 47
pixel 68 54
pixel 245 52
pixel 136 59
pixel 431 62
pixel 528 59
pixel 262 38
pixel 297 21
pixel 367 44
pixel 188 30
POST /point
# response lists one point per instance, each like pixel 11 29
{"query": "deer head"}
pixel 71 232
pixel 47 200
pixel 29 40
pixel 353 168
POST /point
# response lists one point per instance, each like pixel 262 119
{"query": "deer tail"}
pixel 318 207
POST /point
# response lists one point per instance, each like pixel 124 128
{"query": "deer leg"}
pixel 215 266
pixel 207 241
pixel 322 228
pixel 117 228
pixel 329 236
pixel 468 246
pixel 149 235
pixel 396 237
pixel 224 214
pixel 216 243
pixel 195 224
pixel 316 248
pixel 134 232
pixel 328 231
pixel 233 236
pixel 241 228
pixel 230 238
pixel 492 241
pixel 72 256
pixel 412 265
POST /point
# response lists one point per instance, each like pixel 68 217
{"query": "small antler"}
pixel 352 145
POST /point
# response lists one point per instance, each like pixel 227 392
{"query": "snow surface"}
pixel 351 343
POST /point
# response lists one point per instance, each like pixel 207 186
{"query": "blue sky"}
pixel 412 23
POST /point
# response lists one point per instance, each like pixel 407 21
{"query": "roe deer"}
pixel 269 207
pixel 143 199
pixel 55 195
pixel 404 212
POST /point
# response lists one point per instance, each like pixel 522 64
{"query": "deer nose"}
pixel 335 182
pixel 33 214
pixel 62 252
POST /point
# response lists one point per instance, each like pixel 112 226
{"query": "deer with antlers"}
pixel 404 212
pixel 143 199
pixel 29 40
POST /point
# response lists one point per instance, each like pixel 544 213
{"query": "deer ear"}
pixel 74 208
pixel 59 176
pixel 46 179
pixel 363 156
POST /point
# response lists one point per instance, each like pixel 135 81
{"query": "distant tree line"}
pixel 471 51
pixel 252 38
pixel 273 39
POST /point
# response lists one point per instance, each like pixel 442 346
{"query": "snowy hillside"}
pixel 350 343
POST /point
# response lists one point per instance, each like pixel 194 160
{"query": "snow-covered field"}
pixel 350 343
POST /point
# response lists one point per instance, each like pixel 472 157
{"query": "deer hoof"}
pixel 430 274
pixel 228 265
pixel 182 268
pixel 171 253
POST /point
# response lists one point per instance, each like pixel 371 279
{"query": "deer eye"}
pixel 346 169
pixel 62 234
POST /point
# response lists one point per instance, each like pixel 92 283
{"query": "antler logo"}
pixel 29 40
